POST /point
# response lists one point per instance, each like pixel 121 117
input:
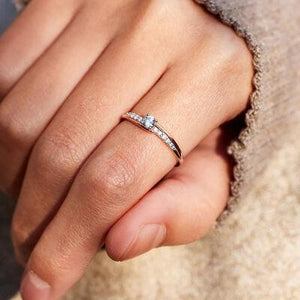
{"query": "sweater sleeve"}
pixel 271 29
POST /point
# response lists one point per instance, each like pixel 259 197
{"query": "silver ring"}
pixel 150 124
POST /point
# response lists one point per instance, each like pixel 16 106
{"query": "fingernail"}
pixel 34 288
pixel 148 237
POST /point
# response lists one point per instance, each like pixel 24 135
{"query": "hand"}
pixel 69 70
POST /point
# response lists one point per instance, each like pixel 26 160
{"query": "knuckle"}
pixel 56 153
pixel 55 260
pixel 150 12
pixel 235 52
pixel 13 130
pixel 231 62
pixel 50 266
pixel 159 7
pixel 237 64
pixel 113 178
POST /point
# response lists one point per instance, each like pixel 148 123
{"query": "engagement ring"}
pixel 150 124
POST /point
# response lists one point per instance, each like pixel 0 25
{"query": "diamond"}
pixel 149 121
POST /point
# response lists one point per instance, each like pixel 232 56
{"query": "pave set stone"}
pixel 135 117
pixel 148 122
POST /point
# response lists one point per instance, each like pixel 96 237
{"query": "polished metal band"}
pixel 150 124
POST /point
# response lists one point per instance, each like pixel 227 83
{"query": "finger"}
pixel 180 209
pixel 30 35
pixel 123 168
pixel 111 87
pixel 54 75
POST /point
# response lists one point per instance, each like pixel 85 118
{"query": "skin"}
pixel 68 71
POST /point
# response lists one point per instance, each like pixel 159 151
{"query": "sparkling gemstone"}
pixel 149 121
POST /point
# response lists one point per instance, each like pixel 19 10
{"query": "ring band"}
pixel 150 124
